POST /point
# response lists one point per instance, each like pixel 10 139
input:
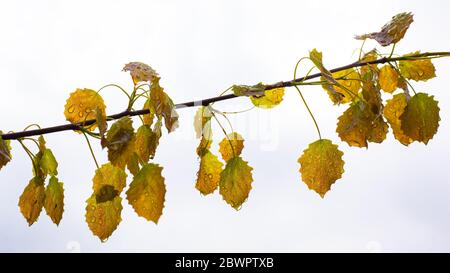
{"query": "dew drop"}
pixel 421 73
pixel 210 176
pixel 71 109
pixel 80 114
pixel 100 222
pixel 146 193
pixel 92 219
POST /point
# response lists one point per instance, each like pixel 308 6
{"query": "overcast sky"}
pixel 391 198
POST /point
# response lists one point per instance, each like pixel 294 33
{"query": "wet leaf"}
pixel 148 118
pixel 270 99
pixel 236 182
pixel 32 200
pixel 147 141
pixel 140 72
pixel 111 175
pixel 392 32
pixel 120 142
pixel 321 165
pixel 418 70
pixel 82 105
pixel 208 176
pixel 316 58
pixel 133 164
pixel 5 151
pixel 420 120
pixel 48 163
pixel 349 86
pixel 147 191
pixel 163 106
pixel 388 79
pixel 393 109
pixel 103 218
pixel 54 200
pixel 231 146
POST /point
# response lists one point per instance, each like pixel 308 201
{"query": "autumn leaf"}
pixel 418 70
pixel 111 175
pixel 148 118
pixel 348 86
pixel 248 90
pixel 32 200
pixel 5 151
pixel 204 146
pixel 208 176
pixel 147 141
pixel 270 99
pixel 163 106
pixel 420 119
pixel 388 79
pixel 102 125
pixel 236 182
pixel 202 122
pixel 54 200
pixel 82 105
pixel 316 57
pixel 393 109
pixel 231 146
pixel 147 192
pixel 321 165
pixel 104 217
pixel 120 142
pixel 392 32
pixel 133 163
pixel 140 72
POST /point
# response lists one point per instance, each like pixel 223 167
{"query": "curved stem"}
pixel 114 85
pixel 224 132
pixel 90 148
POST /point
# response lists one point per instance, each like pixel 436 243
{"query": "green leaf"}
pixel 32 200
pixel 48 163
pixel 147 191
pixel 236 182
pixel 418 70
pixel 54 200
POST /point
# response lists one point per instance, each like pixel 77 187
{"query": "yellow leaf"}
pixel 54 200
pixel 321 165
pixel 147 192
pixel 163 106
pixel 146 142
pixel 103 217
pixel 388 79
pixel 111 175
pixel 418 70
pixel 82 105
pixel 231 146
pixel 202 122
pixel 204 146
pixel 349 85
pixel 5 151
pixel 270 99
pixel 102 125
pixel 133 164
pixel 316 57
pixel 140 72
pixel 32 200
pixel 393 109
pixel 148 118
pixel 354 125
pixel 236 182
pixel 392 32
pixel 420 120
pixel 120 142
pixel 208 176
pixel 378 132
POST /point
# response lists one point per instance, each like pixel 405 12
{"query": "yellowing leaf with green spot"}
pixel 349 86
pixel 103 218
pixel 231 146
pixel 140 72
pixel 32 200
pixel 392 32
pixel 48 163
pixel 147 191
pixel 321 165
pixel 420 120
pixel 354 125
pixel 418 70
pixel 393 109
pixel 236 182
pixel 208 176
pixel 133 164
pixel 111 175
pixel 54 200
pixel 388 79
pixel 120 142
pixel 5 151
pixel 82 105
pixel 163 106
pixel 270 99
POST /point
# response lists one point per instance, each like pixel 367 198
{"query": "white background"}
pixel 391 198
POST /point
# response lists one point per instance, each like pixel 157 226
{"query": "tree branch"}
pixel 67 127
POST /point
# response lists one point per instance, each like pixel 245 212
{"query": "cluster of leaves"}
pixel 366 120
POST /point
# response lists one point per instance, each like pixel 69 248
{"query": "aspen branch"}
pixel 205 102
